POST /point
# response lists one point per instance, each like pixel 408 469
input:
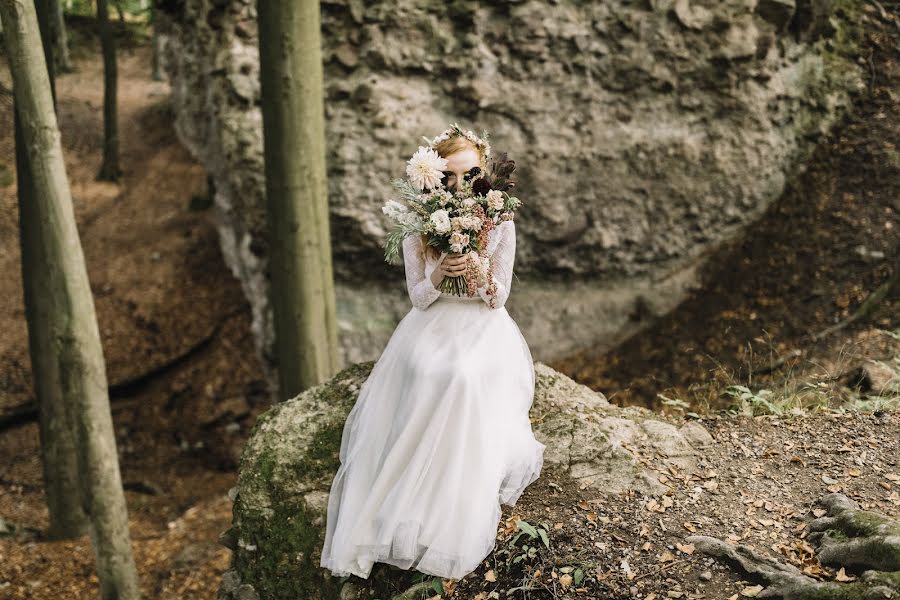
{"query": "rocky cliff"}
pixel 646 134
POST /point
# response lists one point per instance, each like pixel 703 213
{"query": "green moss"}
pixel 264 417
pixel 887 579
pixel 848 36
pixel 845 45
pixel 322 456
pixel 847 591
pixel 279 545
pixel 284 564
pixel 863 523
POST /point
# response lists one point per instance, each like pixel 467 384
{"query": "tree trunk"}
pixel 109 170
pixel 72 343
pixel 302 281
pixel 58 445
pixel 60 37
pixel 156 67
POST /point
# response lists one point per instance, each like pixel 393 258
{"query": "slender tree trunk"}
pixel 58 445
pixel 120 12
pixel 71 326
pixel 60 37
pixel 302 282
pixel 109 170
pixel 157 71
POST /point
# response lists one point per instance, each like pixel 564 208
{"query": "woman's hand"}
pixel 453 265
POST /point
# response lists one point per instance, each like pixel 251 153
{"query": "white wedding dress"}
pixel 440 434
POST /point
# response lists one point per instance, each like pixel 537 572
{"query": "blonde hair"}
pixel 445 148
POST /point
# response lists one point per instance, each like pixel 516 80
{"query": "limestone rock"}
pixel 293 453
pixel 646 134
pixel 696 435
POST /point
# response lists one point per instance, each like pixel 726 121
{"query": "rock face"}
pixel 290 460
pixel 646 133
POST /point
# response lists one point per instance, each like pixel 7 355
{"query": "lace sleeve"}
pixel 421 291
pixel 502 260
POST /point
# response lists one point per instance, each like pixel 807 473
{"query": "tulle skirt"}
pixel 438 438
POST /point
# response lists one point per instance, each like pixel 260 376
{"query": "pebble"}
pixel 705 575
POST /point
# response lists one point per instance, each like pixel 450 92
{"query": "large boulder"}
pixel 292 455
pixel 646 134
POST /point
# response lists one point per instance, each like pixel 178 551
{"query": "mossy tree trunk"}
pixel 70 345
pixel 109 170
pixel 302 281
pixel 58 452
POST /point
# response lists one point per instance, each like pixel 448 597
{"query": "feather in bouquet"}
pixel 452 221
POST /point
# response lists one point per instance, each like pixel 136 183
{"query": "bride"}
pixel 439 436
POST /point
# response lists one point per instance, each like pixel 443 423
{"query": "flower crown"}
pixel 454 129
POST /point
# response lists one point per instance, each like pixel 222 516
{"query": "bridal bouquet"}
pixel 452 221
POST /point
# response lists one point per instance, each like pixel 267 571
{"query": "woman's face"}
pixel 458 164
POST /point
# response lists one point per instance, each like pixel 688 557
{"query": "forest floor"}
pixel 186 387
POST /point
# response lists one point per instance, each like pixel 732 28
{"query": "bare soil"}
pixel 757 485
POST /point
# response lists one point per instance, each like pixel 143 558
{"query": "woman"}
pixel 439 436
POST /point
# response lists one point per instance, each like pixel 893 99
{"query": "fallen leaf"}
pixel 842 576
pixel 666 556
pixel 565 580
pixel 449 585
pixel 819 512
pixel 689 526
pixel 686 548
pixel 627 569
pixel 752 591
pixel 490 576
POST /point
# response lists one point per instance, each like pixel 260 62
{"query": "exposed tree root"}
pixel 858 540
pixel 888 289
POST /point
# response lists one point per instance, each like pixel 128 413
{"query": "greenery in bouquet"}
pixel 455 221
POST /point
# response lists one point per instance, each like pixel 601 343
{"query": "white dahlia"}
pixel 425 168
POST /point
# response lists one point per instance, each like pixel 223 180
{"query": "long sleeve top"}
pixel 502 253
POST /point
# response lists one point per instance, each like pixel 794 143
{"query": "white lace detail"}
pixel 421 291
pixel 501 248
